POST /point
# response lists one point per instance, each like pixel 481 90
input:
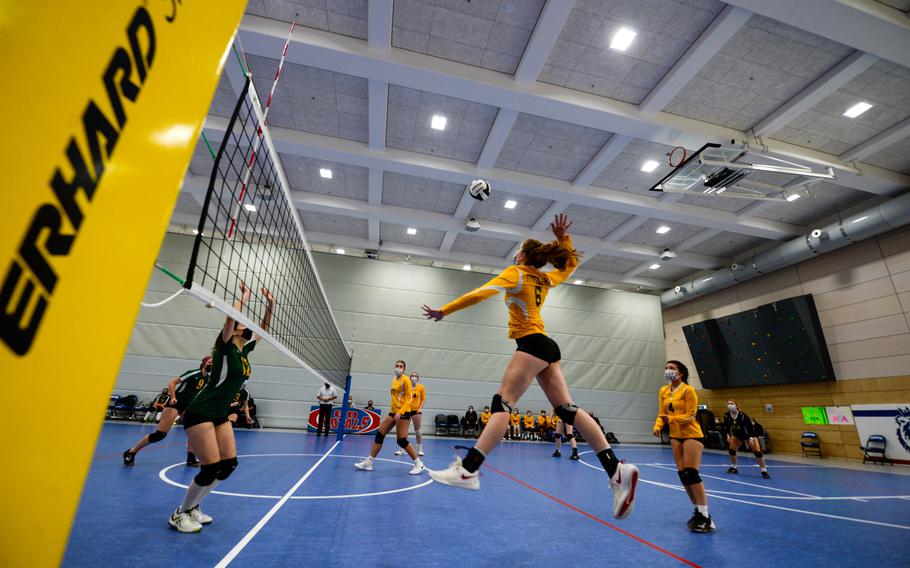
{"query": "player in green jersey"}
pixel 206 419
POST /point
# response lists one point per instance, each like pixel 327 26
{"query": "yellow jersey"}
pixel 401 394
pixel 529 421
pixel 554 420
pixel 525 290
pixel 543 420
pixel 484 417
pixel 684 402
pixel 418 397
pixel 515 419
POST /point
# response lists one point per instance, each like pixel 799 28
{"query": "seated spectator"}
pixel 484 417
pixel 543 425
pixel 514 430
pixel 369 405
pixel 154 412
pixel 554 422
pixel 527 427
pixel 469 421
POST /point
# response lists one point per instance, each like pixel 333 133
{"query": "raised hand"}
pixel 560 225
pixel 268 295
pixel 430 313
pixel 245 292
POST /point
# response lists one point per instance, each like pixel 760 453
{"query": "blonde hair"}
pixel 537 254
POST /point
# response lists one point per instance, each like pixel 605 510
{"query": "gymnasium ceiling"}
pixel 537 103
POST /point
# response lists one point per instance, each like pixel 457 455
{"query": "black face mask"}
pixel 247 334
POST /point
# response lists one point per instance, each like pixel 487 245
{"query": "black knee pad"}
pixel 157 436
pixel 689 476
pixel 402 443
pixel 566 413
pixel 682 477
pixel 207 474
pixel 731 451
pixel 226 468
pixel 570 437
pixel 379 437
pixel 758 454
pixel 499 405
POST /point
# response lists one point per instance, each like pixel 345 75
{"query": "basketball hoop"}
pixel 680 157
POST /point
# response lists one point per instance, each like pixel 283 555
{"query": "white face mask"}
pixel 398 371
pixel 731 407
pixel 670 375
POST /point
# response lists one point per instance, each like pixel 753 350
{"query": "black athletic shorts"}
pixel 540 346
pixel 699 440
pixel 190 419
pixel 404 415
pixel 180 406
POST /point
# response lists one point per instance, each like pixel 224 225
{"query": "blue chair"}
pixel 811 444
pixel 441 425
pixel 875 444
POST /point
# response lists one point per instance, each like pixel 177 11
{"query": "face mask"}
pixel 399 371
pixel 731 407
pixel 247 334
pixel 669 375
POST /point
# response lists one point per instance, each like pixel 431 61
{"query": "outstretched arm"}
pixel 560 227
pixel 269 306
pixel 228 330
pixel 507 280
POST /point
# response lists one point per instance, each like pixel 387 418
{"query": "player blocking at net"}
pixel 536 355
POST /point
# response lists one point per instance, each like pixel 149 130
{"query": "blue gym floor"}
pixel 531 509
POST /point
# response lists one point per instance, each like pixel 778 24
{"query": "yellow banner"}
pixel 102 104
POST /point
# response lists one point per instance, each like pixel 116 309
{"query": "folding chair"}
pixel 453 425
pixel 440 422
pixel 810 444
pixel 875 444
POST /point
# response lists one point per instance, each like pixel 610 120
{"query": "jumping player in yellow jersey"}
pixel 677 405
pixel 525 288
pixel 399 417
pixel 418 399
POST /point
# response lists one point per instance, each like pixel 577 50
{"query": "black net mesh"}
pixel 249 231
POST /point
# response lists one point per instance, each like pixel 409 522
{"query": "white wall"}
pixel 612 343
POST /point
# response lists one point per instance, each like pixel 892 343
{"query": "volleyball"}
pixel 479 189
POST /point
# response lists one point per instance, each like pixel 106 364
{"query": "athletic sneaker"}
pixel 456 476
pixel 732 469
pixel 419 449
pixel 692 521
pixel 624 482
pixel 184 523
pixel 399 451
pixel 192 460
pixel 702 523
pixel 766 475
pixel 197 515
pixel 556 454
pixel 365 465
pixel 418 467
pixel 574 456
pixel 129 458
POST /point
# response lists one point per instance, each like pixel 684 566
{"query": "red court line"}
pixel 593 518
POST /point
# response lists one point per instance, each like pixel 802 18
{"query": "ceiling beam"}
pixel 718 33
pixel 549 25
pixel 879 142
pixel 871 27
pixel 496 138
pixel 411 163
pixel 546 218
pixel 264 37
pixel 821 88
pixel 379 24
pixel 604 157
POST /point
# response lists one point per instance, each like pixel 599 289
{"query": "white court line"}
pixel 768 487
pixel 262 522
pixel 739 466
pixel 839 517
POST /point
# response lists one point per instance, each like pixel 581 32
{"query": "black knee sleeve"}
pixel 758 454
pixel 402 443
pixel 682 478
pixel 499 405
pixel 207 474
pixel 566 413
pixel 379 437
pixel 570 437
pixel 689 476
pixel 731 451
pixel 226 468
pixel 157 436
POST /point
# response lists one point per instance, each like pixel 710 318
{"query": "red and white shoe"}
pixel 456 476
pixel 624 482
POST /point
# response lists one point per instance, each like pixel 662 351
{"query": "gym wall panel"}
pixel 612 343
pixel 862 293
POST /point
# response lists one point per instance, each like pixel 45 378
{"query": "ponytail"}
pixel 537 254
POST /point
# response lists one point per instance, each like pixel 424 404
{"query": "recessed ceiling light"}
pixel 622 39
pixel 663 229
pixel 510 204
pixel 249 207
pixel 339 251
pixel 654 266
pixel 579 282
pixel 412 231
pixel 466 267
pixel 649 166
pixel 793 197
pixel 857 109
pixel 325 173
pixel 438 122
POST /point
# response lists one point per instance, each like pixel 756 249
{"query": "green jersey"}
pixel 230 368
pixel 191 382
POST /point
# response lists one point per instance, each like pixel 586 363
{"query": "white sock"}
pixel 703 509
pixel 764 469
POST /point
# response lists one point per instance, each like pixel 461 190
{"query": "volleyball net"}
pixel 250 231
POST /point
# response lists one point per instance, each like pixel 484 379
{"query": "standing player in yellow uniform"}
pixel 677 404
pixel 399 417
pixel 418 399
pixel 525 288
